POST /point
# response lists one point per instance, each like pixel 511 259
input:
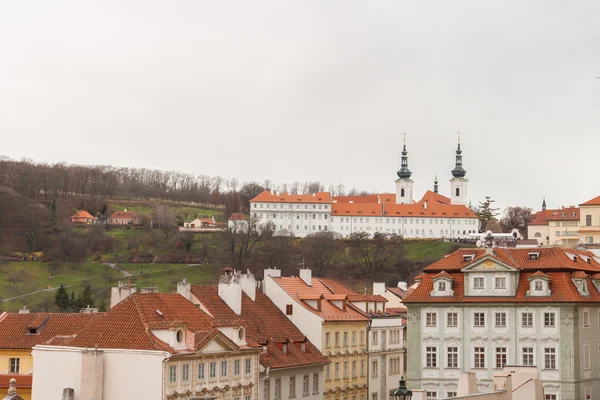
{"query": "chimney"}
pixel 503 382
pixel 467 384
pixel 403 286
pixel 92 374
pixel 249 285
pixel 230 291
pixel 274 272
pixel 24 310
pixel 184 288
pixel 120 293
pixel 68 394
pixel 379 288
pixel 425 204
pixel 306 276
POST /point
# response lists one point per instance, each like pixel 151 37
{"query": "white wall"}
pixel 128 374
pixel 310 325
pixel 284 376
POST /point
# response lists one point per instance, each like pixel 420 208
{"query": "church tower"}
pixel 544 204
pixel 435 184
pixel 404 185
pixel 458 184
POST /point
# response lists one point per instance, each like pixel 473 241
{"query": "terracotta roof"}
pixel 563 291
pixel 296 288
pixel 579 274
pixel 596 276
pixel 539 274
pixel 238 217
pixel 123 214
pixel 371 198
pixel 550 258
pixel 15 328
pixel 269 197
pixel 357 209
pixel 83 214
pixel 564 214
pixel 419 277
pixel 371 298
pixel 541 217
pixel 264 320
pixel 396 311
pixel 24 381
pixel 128 325
pixel 593 202
pixel 442 274
pixel 220 323
pixel 398 292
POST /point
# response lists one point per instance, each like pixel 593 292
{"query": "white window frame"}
pixel 448 319
pixel 478 279
pixel 431 362
pixel 499 279
pixel 430 321
pixel 528 354
pixel 455 354
pixel 477 353
pixel 498 314
pixel 479 319
pixel 551 315
pixel 523 320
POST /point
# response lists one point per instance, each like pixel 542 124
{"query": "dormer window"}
pixel 179 336
pixel 468 257
pixel 33 331
pixel 478 282
pixel 285 348
pixel 442 286
pixel 539 285
pixel 534 255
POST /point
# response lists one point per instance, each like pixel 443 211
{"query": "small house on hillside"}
pixel 202 224
pixel 83 217
pixel 123 218
pixel 238 222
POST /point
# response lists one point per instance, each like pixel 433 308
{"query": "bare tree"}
pixel 163 218
pixel 242 238
pixel 320 251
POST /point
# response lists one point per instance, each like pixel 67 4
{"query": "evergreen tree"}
pixel 53 213
pixel 486 213
pixel 85 297
pixel 30 236
pixel 62 299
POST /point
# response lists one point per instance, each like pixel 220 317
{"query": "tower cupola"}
pixel 404 172
pixel 458 171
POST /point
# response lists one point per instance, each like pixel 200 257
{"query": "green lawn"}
pixel 183 212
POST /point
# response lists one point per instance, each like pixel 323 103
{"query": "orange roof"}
pixel 565 214
pixel 83 214
pixel 271 197
pixel 593 202
pixel 562 287
pixel 399 292
pixel 15 328
pixel 265 324
pixel 434 209
pixel 443 274
pixel 357 209
pixel 296 288
pixel 579 274
pixel 550 258
pixel 123 214
pixel 238 217
pixel 541 217
pixel 539 274
pixel 24 381
pixel 371 198
pixel 432 197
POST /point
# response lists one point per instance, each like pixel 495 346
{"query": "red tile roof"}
pixel 579 274
pixel 269 197
pixel 539 274
pixel 563 291
pixel 124 214
pixel 24 381
pixel 296 288
pixel 238 217
pixel 371 198
pixel 593 202
pixel 357 209
pixel 266 324
pixel 542 217
pixel 83 214
pixel 442 274
pixel 399 292
pixel 550 258
pixel 14 328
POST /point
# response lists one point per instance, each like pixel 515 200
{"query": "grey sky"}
pixel 312 90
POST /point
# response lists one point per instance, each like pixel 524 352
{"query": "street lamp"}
pixel 401 393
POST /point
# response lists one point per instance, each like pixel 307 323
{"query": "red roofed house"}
pixel 589 225
pixel 150 346
pixel 434 216
pixel 335 319
pixel 83 217
pixel 555 227
pixel 123 218
pixel 477 310
pixel 291 365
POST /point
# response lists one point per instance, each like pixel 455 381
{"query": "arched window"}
pixel 537 234
pixel 457 192
pixel 402 192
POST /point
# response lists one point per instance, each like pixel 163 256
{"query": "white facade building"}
pixel 478 310
pixel 433 217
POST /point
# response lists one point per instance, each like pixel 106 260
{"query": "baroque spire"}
pixel 458 171
pixel 435 184
pixel 404 172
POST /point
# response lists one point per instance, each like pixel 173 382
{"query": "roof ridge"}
pixel 144 320
pixel 326 285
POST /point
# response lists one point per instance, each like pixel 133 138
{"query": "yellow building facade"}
pixel 589 223
pixel 16 364
pixel 346 376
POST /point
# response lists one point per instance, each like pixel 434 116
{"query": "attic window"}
pixel 179 336
pixel 534 255
pixel 33 331
pixel 468 257
pixel 303 346
pixel 563 215
pixel 574 214
pixel 285 348
pixel 574 258
pixel 159 312
pixel 289 309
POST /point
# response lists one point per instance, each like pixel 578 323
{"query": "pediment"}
pixel 218 344
pixel 487 264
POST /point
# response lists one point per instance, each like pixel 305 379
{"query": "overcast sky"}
pixel 312 90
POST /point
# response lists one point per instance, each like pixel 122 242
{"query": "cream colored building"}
pixel 589 225
pixel 557 227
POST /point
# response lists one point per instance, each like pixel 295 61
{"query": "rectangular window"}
pixel 527 320
pixel 479 353
pixel 328 372
pixel 452 320
pixel 354 368
pixel 527 355
pixel 266 393
pixel 277 388
pixel 588 220
pixel 586 357
pixel 478 283
pixel 353 338
pixel 289 309
pixel 586 319
pixel 185 372
pixel 223 368
pixel 337 339
pixel 236 367
pixel 248 366
pixel 431 357
pixel 173 373
pixel 375 337
pixel 213 370
pixel 549 397
pixel 479 319
pixel 374 369
pixel 452 357
pixel 538 286
pixel 451 394
pixel 549 320
pixel 587 393
pixel 431 319
pixel 549 358
pixel 345 338
pixel 292 387
pixel 431 395
pixel 201 371
pixel 501 320
pixel 315 383
pixel 500 282
pixel 305 385
pixel 15 365
pixel 248 397
pixel 337 370
pixel 362 367
pixel 345 369
pixel 500 357
pixel 327 339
